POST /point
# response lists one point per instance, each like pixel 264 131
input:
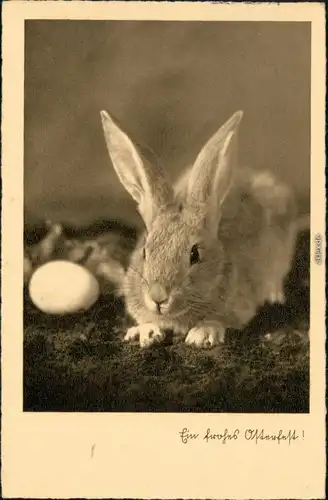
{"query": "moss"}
pixel 79 363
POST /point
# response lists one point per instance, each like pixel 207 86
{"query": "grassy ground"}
pixel 79 363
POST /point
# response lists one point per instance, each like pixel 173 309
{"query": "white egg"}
pixel 61 287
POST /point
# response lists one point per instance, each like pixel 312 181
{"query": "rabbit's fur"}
pixel 242 222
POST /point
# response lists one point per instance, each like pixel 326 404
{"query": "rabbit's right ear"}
pixel 211 176
pixel 146 183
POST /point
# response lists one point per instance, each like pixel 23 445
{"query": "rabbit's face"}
pixel 179 263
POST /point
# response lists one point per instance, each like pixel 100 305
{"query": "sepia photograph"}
pixel 166 216
pixel 163 235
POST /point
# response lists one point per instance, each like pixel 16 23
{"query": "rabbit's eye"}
pixel 194 255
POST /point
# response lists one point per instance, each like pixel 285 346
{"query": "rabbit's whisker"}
pixel 140 275
pixel 194 294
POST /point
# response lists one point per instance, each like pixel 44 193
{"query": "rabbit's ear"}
pixel 146 183
pixel 212 173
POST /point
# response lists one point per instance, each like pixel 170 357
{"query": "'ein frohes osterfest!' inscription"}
pixel 255 436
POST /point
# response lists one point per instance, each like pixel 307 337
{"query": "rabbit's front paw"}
pixel 206 335
pixel 147 333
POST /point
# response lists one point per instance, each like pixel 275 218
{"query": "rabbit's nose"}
pixel 158 294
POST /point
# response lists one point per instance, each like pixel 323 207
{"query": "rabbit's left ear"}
pixel 146 182
pixel 211 176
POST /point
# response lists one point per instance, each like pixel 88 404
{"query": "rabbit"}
pixel 218 244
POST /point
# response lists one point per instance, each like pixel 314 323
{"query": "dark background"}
pixel 171 84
